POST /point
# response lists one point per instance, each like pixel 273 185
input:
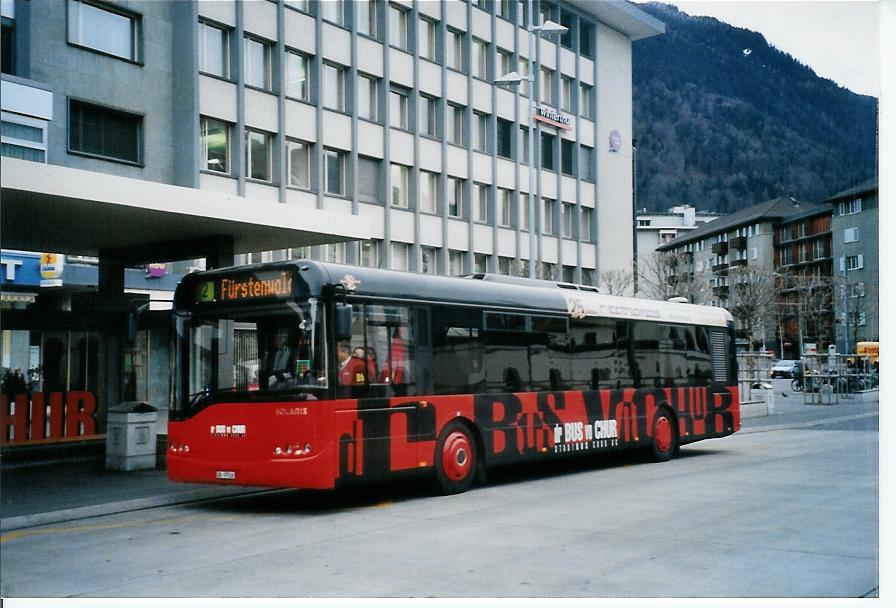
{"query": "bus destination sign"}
pixel 250 287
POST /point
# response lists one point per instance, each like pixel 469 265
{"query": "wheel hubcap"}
pixel 456 460
pixel 663 434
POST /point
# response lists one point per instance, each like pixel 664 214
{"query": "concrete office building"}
pixel 655 228
pixel 137 131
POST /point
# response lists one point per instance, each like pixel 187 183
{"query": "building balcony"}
pixel 736 263
pixel 738 242
pixel 720 290
pixel 720 248
pixel 720 268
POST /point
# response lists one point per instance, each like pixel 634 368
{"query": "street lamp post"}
pixel 513 78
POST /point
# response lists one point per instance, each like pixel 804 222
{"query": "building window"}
pixel 586 233
pixel 455 130
pixel 587 166
pixel 547 271
pixel 398 26
pixel 257 64
pixel 367 97
pixel 568 212
pixel 505 206
pixel 398 109
pixel 586 38
pixel 298 163
pixel 24 137
pixel 567 156
pixel 111 134
pixel 850 235
pixel 426 115
pixel 524 144
pixel 550 208
pixel 547 152
pixel 400 180
pixel 566 89
pixel 850 207
pixel 505 61
pixel 334 169
pixel 545 11
pixel 333 252
pixel 456 262
pixel 855 262
pixel 503 8
pixel 426 38
pixel 547 86
pixel 333 10
pixel 214 137
pixel 480 200
pixel 429 260
pixel 334 87
pixel 480 262
pixel 104 29
pixel 480 59
pixel 454 49
pixel 427 193
pixel 8 40
pixel 213 50
pixel 400 256
pixel 367 21
pixel 505 138
pixel 455 197
pixel 297 76
pixel 369 253
pixel 258 155
pixel 525 86
pixel 480 132
pixel 368 177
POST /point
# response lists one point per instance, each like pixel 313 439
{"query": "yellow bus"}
pixel 869 349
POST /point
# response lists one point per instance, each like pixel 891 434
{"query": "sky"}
pixel 839 39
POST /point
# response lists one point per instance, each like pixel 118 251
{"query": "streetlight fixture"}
pixel 514 78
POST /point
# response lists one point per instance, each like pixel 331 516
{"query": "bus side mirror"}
pixel 343 323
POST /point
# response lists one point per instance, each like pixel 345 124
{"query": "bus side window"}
pixel 699 361
pixel 457 351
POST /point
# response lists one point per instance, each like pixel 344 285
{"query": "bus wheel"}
pixel 456 459
pixel 664 439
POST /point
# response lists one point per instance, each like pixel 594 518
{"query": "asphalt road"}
pixel 787 508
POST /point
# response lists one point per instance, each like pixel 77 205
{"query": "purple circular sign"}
pixel 615 141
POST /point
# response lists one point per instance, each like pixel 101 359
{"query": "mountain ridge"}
pixel 724 120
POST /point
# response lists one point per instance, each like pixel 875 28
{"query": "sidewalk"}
pixel 38 494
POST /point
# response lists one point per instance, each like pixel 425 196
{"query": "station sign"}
pixel 552 117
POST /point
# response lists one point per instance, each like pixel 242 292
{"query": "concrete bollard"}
pixel 131 436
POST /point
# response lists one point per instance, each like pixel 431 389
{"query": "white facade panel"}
pixel 549 249
pixel 586 132
pixel 549 184
pixel 401 224
pixel 457 88
pixel 375 217
pixel 482 96
pixel 506 246
pixel 336 44
pixel 430 9
pixel 586 70
pixel 370 56
pixel 524 245
pixel 301 198
pixel 370 139
pixel 456 164
pixel 504 104
pixel 431 230
pixel 505 174
pixel 261 110
pixel 401 147
pixel 401 68
pixel 568 188
pixel 482 168
pixel 458 235
pixel 262 192
pixel 223 12
pixel 483 239
pixel 504 35
pixel 26 100
pixel 482 25
pixel 218 183
pixel 299 31
pixel 614 170
pixel 586 195
pixel 548 54
pixel 217 98
pixel 338 131
pixel 260 18
pixel 567 62
pixel 430 78
pixel 430 155
pixel 337 206
pixel 570 255
pixel 300 121
pixel 588 253
pixel 456 15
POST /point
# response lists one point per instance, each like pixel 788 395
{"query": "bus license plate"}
pixel 225 474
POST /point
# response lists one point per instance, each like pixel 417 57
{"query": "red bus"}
pixel 305 374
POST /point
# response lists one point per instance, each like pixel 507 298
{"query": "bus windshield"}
pixel 252 354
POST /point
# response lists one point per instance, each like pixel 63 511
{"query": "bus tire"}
pixel 457 459
pixel 665 440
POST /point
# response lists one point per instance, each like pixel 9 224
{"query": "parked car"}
pixel 785 368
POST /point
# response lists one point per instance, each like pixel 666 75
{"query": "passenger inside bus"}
pixel 352 365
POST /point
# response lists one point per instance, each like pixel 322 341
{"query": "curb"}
pixel 138 504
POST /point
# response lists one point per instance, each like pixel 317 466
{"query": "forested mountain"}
pixel 723 120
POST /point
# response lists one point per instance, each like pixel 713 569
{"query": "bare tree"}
pixel 815 306
pixel 752 301
pixel 616 282
pixel 669 275
pixel 858 309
